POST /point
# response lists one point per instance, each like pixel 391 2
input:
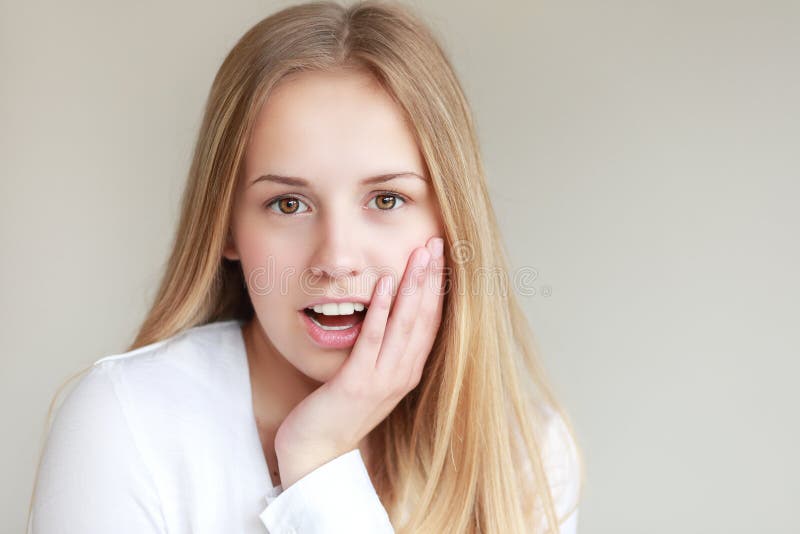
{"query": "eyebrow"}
pixel 302 182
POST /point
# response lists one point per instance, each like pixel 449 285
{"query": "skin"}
pixel 334 237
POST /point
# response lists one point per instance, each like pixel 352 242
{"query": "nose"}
pixel 338 250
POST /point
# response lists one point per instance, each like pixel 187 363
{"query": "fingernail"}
pixel 437 246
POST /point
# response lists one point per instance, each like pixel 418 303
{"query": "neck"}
pixel 277 386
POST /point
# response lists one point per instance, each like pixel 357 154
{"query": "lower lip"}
pixel 331 339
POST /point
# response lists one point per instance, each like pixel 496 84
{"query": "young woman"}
pixel 325 352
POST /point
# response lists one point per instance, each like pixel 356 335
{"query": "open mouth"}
pixel 336 322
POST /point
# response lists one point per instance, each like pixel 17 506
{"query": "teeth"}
pixel 341 308
pixel 329 328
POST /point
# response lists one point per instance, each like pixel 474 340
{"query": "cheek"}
pixel 271 270
pixel 260 247
pixel 398 255
pixel 416 233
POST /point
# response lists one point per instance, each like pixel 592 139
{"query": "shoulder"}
pixel 170 418
pixel 91 460
pixel 197 347
pixel 194 362
pixel 157 388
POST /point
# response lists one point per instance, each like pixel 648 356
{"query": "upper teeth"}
pixel 338 308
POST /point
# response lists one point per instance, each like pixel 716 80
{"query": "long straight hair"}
pixel 464 451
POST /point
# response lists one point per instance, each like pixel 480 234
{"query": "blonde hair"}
pixel 448 457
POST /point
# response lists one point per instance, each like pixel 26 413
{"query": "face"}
pixel 308 223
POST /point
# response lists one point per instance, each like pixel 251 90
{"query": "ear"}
pixel 229 251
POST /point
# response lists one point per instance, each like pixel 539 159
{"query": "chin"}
pixel 323 367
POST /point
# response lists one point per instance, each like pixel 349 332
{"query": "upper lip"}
pixel 325 300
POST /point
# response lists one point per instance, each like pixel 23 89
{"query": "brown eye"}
pixel 387 201
pixel 287 205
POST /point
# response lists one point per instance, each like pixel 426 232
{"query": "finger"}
pixel 403 316
pixel 429 318
pixel 367 346
pixel 427 302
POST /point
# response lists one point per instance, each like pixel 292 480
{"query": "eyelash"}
pixel 269 203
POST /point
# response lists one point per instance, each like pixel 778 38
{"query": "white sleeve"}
pixel 570 524
pixel 336 498
pixel 92 479
pixel 561 461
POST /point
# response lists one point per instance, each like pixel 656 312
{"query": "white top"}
pixel 163 439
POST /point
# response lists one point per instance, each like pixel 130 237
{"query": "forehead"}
pixel 339 124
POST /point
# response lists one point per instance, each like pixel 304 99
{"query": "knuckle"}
pixel 382 304
pixel 411 383
pixel 417 378
pixel 406 325
pixel 400 391
pixel 427 314
pixel 373 336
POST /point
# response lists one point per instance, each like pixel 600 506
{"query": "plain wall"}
pixel 643 158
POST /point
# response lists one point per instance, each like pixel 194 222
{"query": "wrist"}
pixel 294 465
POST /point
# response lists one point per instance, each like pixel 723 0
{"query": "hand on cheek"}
pixel 385 363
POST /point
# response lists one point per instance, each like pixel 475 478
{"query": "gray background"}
pixel 643 159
